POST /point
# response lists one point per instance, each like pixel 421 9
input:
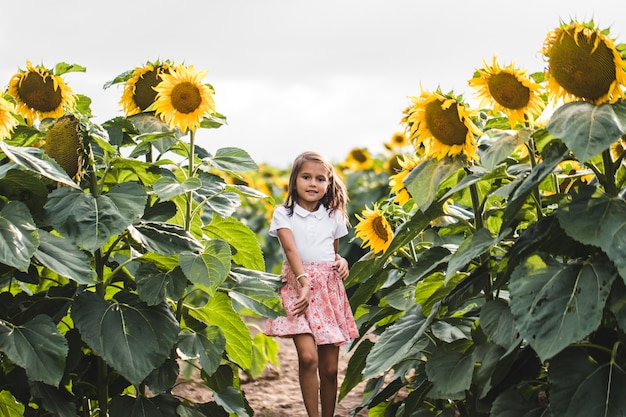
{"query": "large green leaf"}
pixel 254 294
pixel 233 159
pixel 34 159
pixel 585 128
pixel 497 321
pixel 153 284
pixel 555 304
pixel 247 251
pixel 423 181
pixel 90 221
pixel 450 371
pixel 219 312
pixel 37 346
pixel 19 235
pixel 55 400
pixel 64 258
pixel 131 336
pixel 208 269
pixel 164 238
pixel 24 186
pixel 475 245
pixel 168 187
pixel 497 148
pixel 397 341
pixel 214 196
pixel 595 218
pixel 511 403
pixel 582 387
pixel 207 346
pixel 9 406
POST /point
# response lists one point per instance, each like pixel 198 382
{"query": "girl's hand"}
pixel 302 304
pixel 341 266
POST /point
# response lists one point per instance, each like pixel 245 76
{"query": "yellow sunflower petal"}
pixel 7 120
pixel 374 230
pixel 182 100
pixel 139 93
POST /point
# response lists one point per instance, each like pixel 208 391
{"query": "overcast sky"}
pixel 292 75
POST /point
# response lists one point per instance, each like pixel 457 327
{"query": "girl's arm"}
pixel 340 264
pixel 285 236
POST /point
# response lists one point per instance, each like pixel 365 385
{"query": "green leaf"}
pixel 153 284
pixel 9 406
pixel 208 269
pixel 55 400
pixel 164 238
pixel 219 312
pixel 594 218
pixel 497 321
pixel 262 347
pixel 511 403
pixel 90 221
pixel 34 159
pixel 356 364
pixel 582 387
pixel 233 159
pixel 585 128
pixel 19 236
pixel 213 195
pixel 231 399
pixel 397 341
pixel 25 186
pixel 168 187
pixel 450 371
pixel 500 146
pixel 555 304
pixel 140 406
pixel 206 346
pixel 65 259
pixel 473 246
pixel 423 181
pixel 247 250
pixel 255 295
pixel 131 336
pixel 38 347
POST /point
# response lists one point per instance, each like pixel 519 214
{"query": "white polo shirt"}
pixel 314 232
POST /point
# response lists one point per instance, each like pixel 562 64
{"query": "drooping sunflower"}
pixel 396 181
pixel 583 64
pixel 508 90
pixel 182 100
pixel 358 159
pixel 443 124
pixel 39 93
pixel 374 230
pixel 139 93
pixel 7 120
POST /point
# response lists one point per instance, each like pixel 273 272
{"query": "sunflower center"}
pixel 581 70
pixel 39 93
pixel 186 97
pixel 144 94
pixel 445 125
pixel 379 228
pixel 506 89
pixel 359 155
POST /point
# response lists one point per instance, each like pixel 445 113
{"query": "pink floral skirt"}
pixel 328 318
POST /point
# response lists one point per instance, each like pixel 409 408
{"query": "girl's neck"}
pixel 309 206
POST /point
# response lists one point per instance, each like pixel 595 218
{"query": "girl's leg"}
pixel 307 364
pixel 328 364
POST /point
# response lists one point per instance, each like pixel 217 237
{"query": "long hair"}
pixel 336 197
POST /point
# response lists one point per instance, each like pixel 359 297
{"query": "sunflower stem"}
pixel 532 149
pixel 192 158
pixel 609 173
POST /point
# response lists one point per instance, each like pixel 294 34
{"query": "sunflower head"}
pixel 583 64
pixel 374 230
pixel 182 100
pixel 39 93
pixel 508 90
pixel 443 125
pixel 7 119
pixel 398 140
pixel 396 181
pixel 358 159
pixel 139 93
pixel 64 144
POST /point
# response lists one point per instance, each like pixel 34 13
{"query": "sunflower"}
pixel 182 100
pixel 40 94
pixel 398 141
pixel 396 181
pixel 583 63
pixel 508 90
pixel 139 93
pixel 7 120
pixel 374 229
pixel 358 159
pixel 443 125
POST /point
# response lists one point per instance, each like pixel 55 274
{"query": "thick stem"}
pixel 191 172
pixel 609 173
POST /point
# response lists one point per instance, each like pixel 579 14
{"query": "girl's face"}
pixel 311 184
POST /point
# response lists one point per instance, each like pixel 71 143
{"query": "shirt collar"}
pixel 302 212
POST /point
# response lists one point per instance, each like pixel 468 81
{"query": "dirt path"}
pixel 278 393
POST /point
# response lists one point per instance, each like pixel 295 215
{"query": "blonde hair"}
pixel 336 197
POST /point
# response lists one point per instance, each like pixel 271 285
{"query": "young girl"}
pixel 319 320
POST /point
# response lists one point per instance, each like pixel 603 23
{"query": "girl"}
pixel 319 320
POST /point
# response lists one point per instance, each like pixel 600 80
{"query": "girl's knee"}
pixel 308 360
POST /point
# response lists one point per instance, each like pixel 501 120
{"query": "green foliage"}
pixel 111 281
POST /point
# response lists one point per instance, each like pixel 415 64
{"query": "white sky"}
pixel 292 75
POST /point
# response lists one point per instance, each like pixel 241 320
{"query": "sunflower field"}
pixel 487 253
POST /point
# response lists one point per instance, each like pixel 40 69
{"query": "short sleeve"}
pixel 280 220
pixel 341 229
